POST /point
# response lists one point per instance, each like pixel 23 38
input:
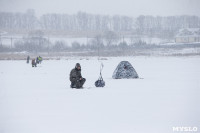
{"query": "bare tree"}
pixel 110 37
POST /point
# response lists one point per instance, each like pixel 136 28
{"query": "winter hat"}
pixel 78 65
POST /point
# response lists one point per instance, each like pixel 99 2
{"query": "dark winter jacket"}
pixel 33 61
pixel 75 75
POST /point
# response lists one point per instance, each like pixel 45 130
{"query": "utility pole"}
pixel 11 40
pixel 48 44
pixel 98 51
pixel 87 40
pixel 98 45
pixel 1 41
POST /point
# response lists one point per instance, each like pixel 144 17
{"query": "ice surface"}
pixel 39 100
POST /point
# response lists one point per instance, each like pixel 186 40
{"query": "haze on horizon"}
pixel 107 7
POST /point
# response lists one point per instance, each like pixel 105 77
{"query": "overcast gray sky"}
pixel 107 7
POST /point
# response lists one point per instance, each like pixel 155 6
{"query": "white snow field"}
pixel 39 100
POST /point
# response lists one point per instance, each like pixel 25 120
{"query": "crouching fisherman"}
pixel 76 78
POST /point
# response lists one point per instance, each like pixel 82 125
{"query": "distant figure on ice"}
pixel 28 58
pixel 37 60
pixel 34 64
pixel 40 59
pixel 76 78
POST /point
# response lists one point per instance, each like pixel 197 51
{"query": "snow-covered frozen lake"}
pixel 39 100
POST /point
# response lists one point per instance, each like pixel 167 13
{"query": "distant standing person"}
pixel 34 64
pixel 76 78
pixel 37 60
pixel 40 59
pixel 28 58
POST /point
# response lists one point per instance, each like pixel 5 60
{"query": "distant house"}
pixel 188 35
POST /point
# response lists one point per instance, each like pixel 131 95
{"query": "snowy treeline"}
pixel 106 45
pixel 141 25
